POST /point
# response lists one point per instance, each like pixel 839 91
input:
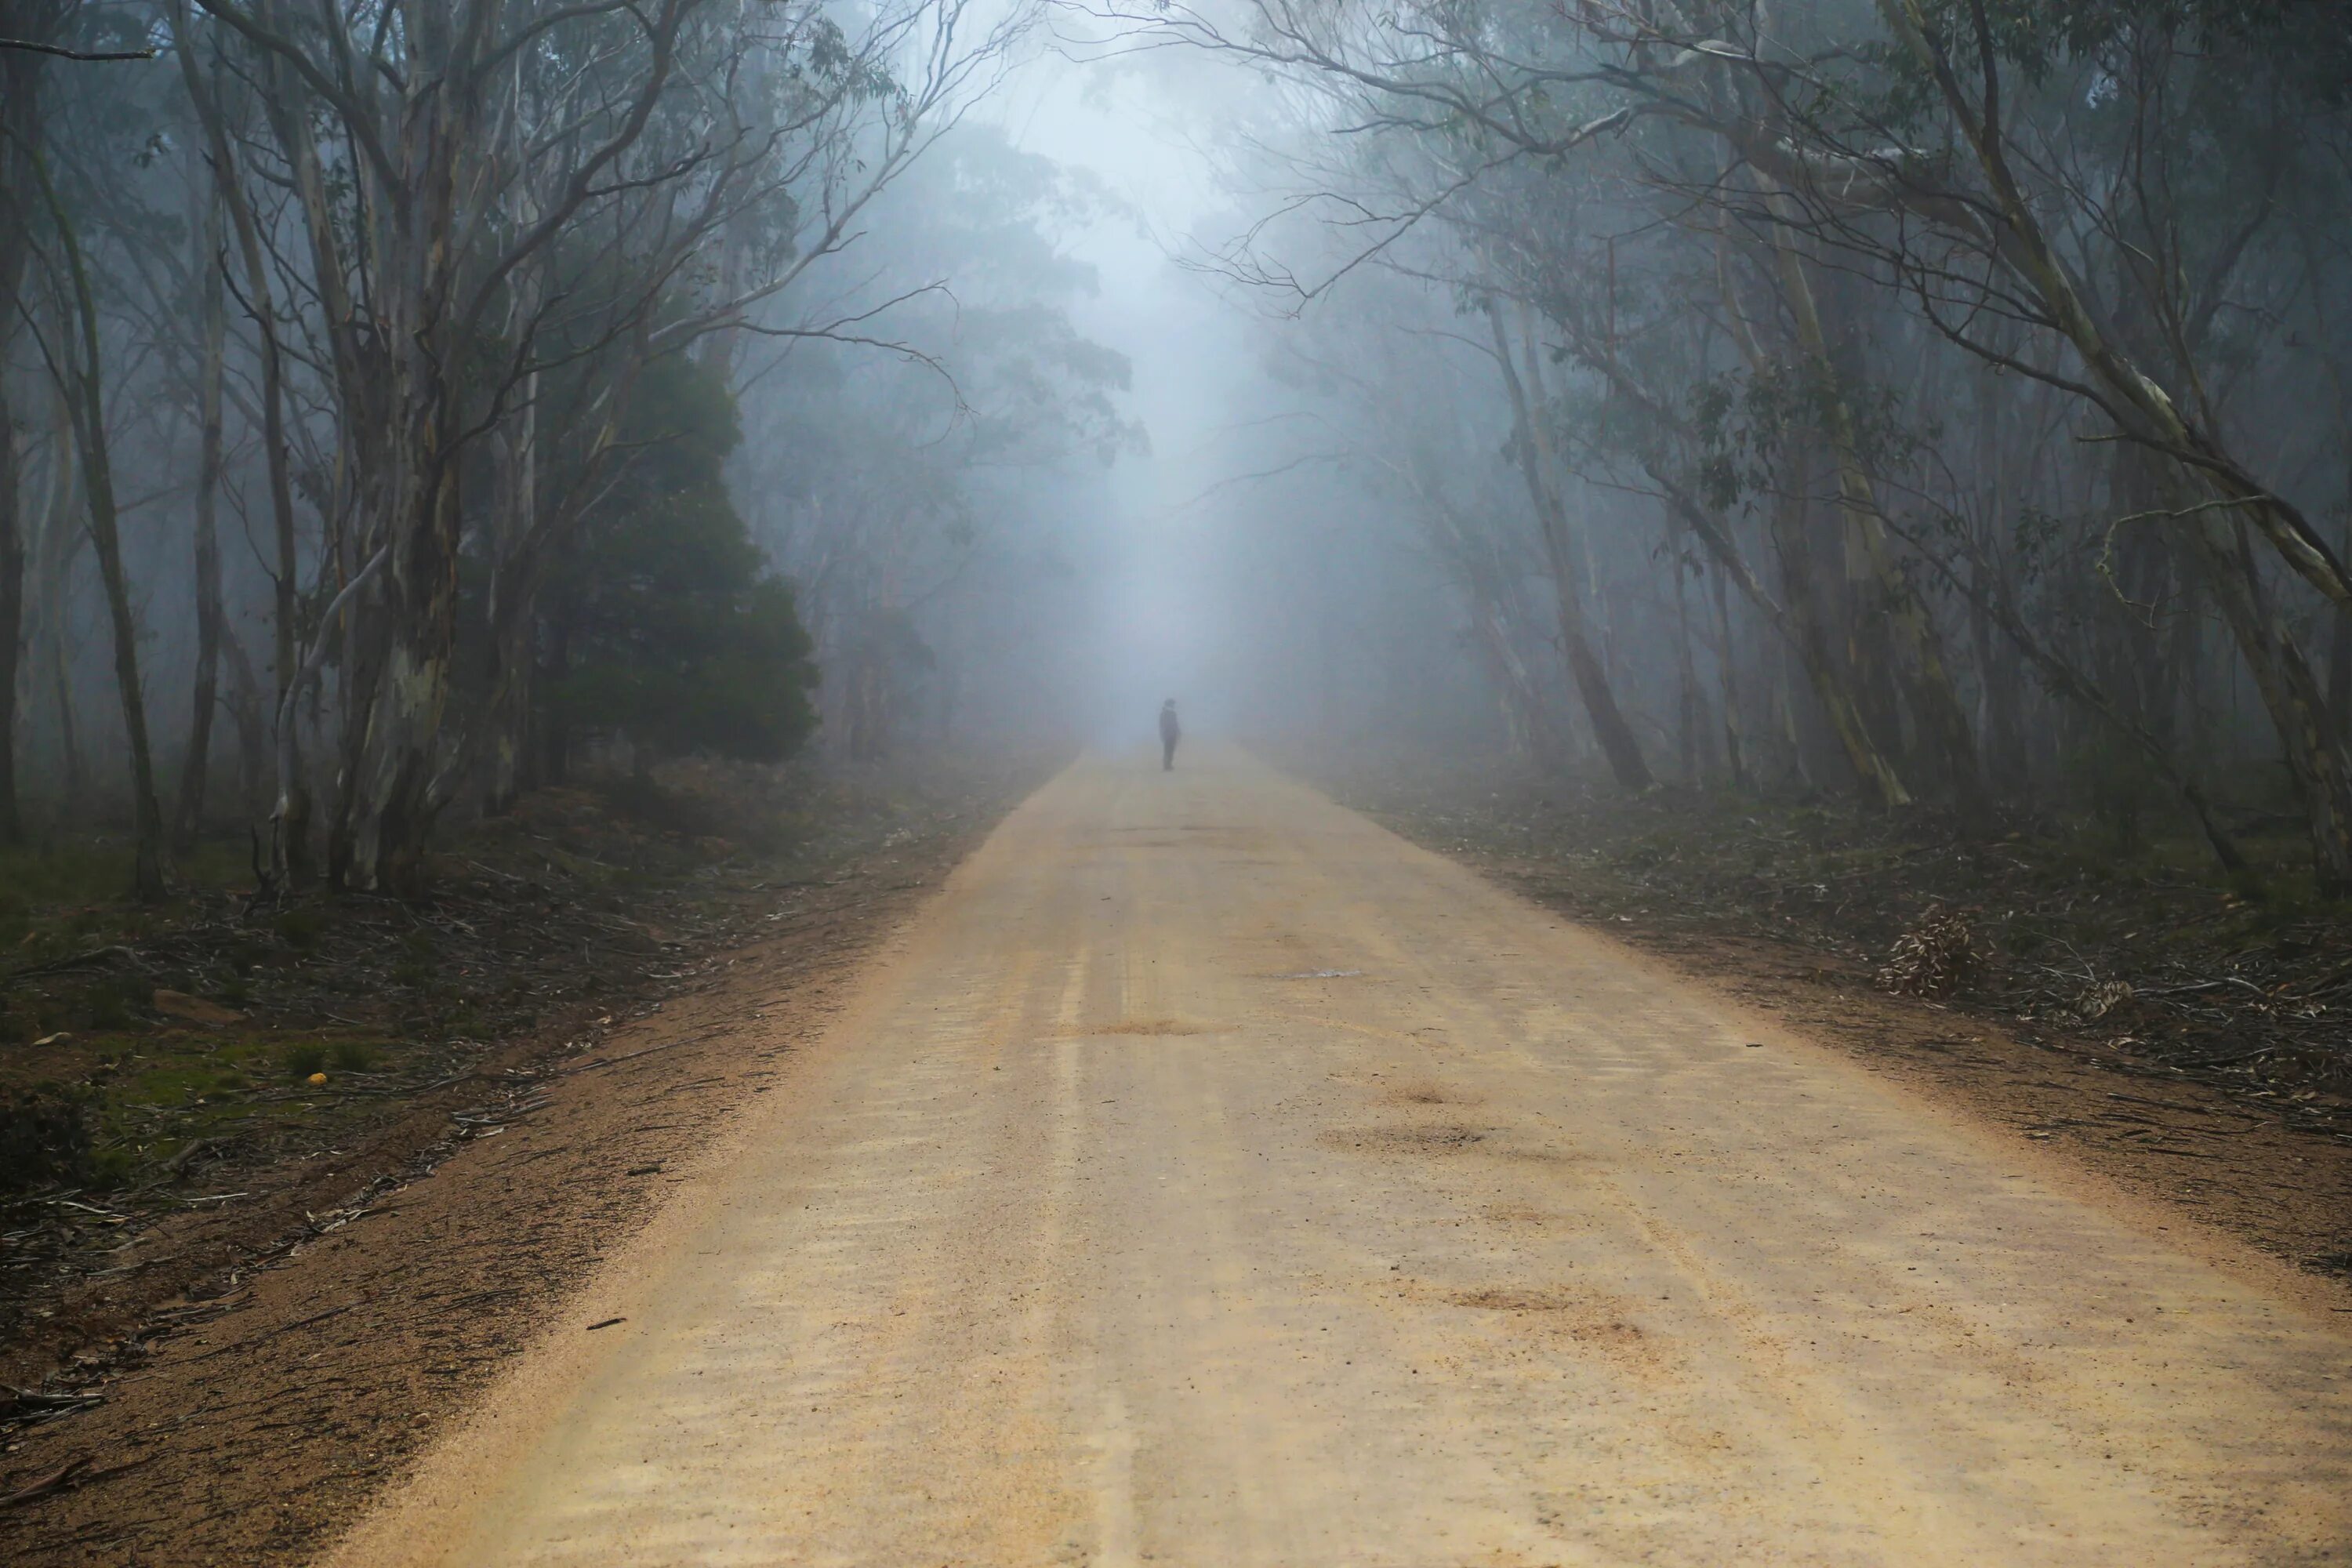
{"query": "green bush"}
pixel 300 928
pixel 44 1138
pixel 303 1058
pixel 677 637
pixel 107 1005
pixel 110 1168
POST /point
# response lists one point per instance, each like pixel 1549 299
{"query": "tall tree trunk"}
pixel 1841 696
pixel 512 612
pixel 1726 666
pixel 1690 719
pixel 1925 674
pixel 1992 599
pixel 290 835
pixel 1783 722
pixel 506 718
pixel 97 478
pixel 1799 621
pixel 515 546
pixel 12 594
pixel 1536 469
pixel 402 651
pixel 370 423
pixel 1523 711
pixel 1997 685
pixel 381 842
pixel 1808 630
pixel 2315 755
pixel 71 765
pixel 554 727
pixel 52 591
pixel 196 764
pixel 2339 646
pixel 252 730
pixel 20 127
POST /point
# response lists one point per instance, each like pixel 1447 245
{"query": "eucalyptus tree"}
pixel 81 247
pixel 34 44
pixel 22 73
pixel 2125 210
pixel 400 287
pixel 488 192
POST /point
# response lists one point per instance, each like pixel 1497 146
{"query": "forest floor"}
pixel 2130 1006
pixel 162 1072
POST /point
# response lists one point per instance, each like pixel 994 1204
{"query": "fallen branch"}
pixel 267 1335
pixel 78 961
pixel 633 1055
pixel 56 1480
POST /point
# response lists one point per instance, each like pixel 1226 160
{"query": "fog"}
pixel 1739 412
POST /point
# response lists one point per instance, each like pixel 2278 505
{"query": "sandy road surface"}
pixel 1209 1177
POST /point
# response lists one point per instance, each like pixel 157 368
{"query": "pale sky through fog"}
pixel 1162 624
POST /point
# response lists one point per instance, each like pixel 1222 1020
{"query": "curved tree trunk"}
pixel 20 78
pixel 88 403
pixel 11 600
pixel 2315 754
pixel 2023 245
pixel 381 844
pixel 252 730
pixel 196 764
pixel 1927 679
pixel 51 594
pixel 1537 469
pixel 1726 666
pixel 290 838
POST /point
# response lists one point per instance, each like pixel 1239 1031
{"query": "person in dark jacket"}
pixel 1169 735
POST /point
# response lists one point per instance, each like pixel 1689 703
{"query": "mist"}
pixel 1054 360
pixel 1114 781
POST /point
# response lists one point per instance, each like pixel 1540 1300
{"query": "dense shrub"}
pixel 44 1138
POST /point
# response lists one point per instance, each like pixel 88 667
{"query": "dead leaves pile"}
pixel 1934 959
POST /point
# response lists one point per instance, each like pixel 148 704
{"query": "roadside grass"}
pixel 130 1031
pixel 72 890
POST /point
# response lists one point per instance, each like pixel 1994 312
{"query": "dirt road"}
pixel 1209 1177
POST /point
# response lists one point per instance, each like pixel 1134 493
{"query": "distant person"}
pixel 1170 733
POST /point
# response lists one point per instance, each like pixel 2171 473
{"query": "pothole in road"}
pixel 1526 1298
pixel 1592 1318
pixel 1405 1140
pixel 1186 836
pixel 1422 1091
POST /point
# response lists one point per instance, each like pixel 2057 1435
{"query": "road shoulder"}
pixel 2267 1198
pixel 268 1411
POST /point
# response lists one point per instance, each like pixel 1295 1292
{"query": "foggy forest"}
pixel 1782 409
pixel 505 502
